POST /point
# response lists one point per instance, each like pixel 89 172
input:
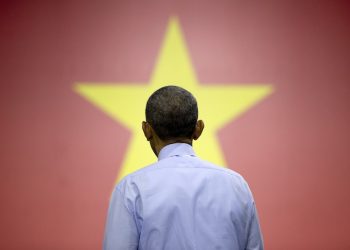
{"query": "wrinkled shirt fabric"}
pixel 182 202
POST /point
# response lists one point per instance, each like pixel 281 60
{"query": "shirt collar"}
pixel 176 149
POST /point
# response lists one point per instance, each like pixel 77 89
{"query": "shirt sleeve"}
pixel 255 240
pixel 121 231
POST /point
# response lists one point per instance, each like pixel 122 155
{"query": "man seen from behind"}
pixel 181 202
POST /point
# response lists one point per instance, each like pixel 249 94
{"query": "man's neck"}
pixel 163 143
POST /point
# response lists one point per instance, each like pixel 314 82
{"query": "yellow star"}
pixel 218 103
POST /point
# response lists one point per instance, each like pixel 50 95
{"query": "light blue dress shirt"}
pixel 182 202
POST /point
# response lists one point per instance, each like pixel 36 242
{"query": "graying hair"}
pixel 172 112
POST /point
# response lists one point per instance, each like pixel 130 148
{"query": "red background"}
pixel 60 155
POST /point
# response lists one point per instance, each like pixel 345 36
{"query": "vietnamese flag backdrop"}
pixel 60 155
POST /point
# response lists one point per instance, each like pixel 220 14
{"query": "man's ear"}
pixel 198 129
pixel 147 130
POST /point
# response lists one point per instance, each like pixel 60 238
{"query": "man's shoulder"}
pixel 220 169
pixel 132 181
pixel 147 173
pixel 141 171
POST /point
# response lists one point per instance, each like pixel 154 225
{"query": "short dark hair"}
pixel 172 112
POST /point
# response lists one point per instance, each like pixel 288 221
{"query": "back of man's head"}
pixel 172 112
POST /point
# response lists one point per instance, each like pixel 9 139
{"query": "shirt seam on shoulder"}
pixel 224 170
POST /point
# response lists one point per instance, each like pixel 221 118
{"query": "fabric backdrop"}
pixel 61 155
